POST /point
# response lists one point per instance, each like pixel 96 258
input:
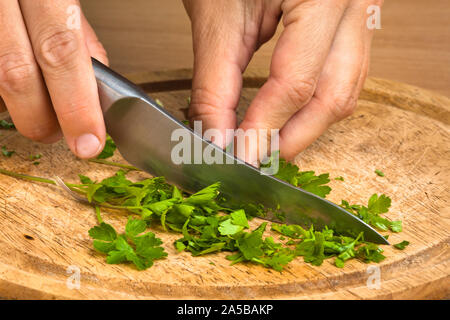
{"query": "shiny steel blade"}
pixel 143 133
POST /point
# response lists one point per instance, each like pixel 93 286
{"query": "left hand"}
pixel 318 67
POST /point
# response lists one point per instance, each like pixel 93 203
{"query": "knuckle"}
pixel 301 91
pixel 57 47
pixel 204 102
pixel 343 106
pixel 16 71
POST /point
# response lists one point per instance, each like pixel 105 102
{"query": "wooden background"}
pixel 413 45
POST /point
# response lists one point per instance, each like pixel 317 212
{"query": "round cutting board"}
pixel 46 252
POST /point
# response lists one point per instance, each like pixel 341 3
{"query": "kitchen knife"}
pixel 142 131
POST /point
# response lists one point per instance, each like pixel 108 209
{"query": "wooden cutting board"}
pixel 398 129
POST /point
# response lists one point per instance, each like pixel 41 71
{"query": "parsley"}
pixel 35 157
pixel 7 153
pixel 316 246
pixel 207 227
pixel 133 246
pixel 307 180
pixel 370 253
pixel 371 214
pixel 340 178
pixel 159 103
pixel 379 172
pixel 108 150
pixel 235 224
pixel 402 245
pixel 6 125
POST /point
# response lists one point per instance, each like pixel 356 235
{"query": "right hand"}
pixel 47 82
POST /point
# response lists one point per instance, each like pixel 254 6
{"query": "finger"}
pixel 270 20
pixel 222 50
pixel 297 61
pixel 95 47
pixel 338 87
pixel 21 85
pixel 64 59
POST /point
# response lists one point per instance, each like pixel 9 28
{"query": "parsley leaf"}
pixel 371 214
pixel 227 227
pixel 307 180
pixel 141 250
pixel 250 244
pixel 379 173
pixel 370 253
pixel 108 150
pixel 379 204
pixel 104 232
pixel 7 153
pixel 6 125
pixel 402 245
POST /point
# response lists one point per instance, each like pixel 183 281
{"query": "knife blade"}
pixel 143 132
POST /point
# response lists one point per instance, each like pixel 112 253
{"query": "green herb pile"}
pixel 206 226
pixel 6 125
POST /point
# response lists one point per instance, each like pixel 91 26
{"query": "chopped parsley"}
pixel 207 227
pixel 134 245
pixel 371 214
pixel 379 172
pixel 6 125
pixel 402 245
pixel 108 150
pixel 35 157
pixel 7 153
pixel 307 180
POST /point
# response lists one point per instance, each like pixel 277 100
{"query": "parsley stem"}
pixel 114 164
pixel 26 177
pixel 99 217
pixel 72 187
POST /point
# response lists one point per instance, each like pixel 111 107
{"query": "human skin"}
pixel 46 78
pixel 317 71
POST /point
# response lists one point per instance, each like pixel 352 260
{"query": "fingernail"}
pixel 87 146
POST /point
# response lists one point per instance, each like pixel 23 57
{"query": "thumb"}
pixel 220 56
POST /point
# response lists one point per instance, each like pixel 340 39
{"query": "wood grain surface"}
pixel 399 129
pixel 413 45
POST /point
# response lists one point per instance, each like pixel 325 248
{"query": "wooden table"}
pixel 413 45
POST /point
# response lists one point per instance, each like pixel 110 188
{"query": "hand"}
pixel 46 78
pixel 318 67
